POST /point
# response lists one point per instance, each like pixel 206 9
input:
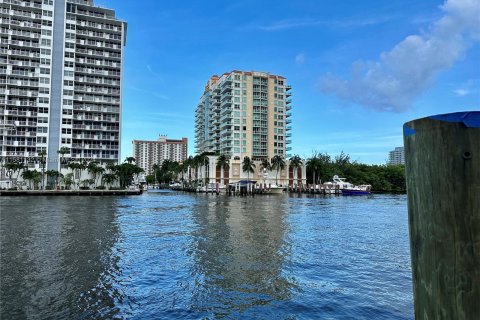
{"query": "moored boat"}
pixel 349 189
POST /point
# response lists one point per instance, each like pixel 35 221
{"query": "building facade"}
pixel 60 81
pixel 245 114
pixel 396 156
pixel 149 153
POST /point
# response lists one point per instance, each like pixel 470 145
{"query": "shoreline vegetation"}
pixel 101 176
pixel 320 168
pixel 387 178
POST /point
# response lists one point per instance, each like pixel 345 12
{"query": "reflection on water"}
pixel 168 255
pixel 240 247
pixel 57 258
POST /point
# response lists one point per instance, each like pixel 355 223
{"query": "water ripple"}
pixel 169 255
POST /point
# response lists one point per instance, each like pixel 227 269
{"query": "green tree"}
pixel 28 175
pixel 52 176
pixel 62 152
pixel 223 162
pixel 13 169
pixel 248 166
pixel 67 180
pixel 42 154
pixel 108 179
pixel 95 171
pixel 295 163
pixel 278 163
pixel 130 160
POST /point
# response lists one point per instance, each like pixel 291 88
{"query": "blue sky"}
pixel 359 69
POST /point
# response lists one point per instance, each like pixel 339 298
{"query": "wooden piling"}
pixel 442 156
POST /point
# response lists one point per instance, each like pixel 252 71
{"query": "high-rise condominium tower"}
pixel 149 153
pixel 244 114
pixel 60 80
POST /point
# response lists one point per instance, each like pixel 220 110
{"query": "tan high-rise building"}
pixel 148 153
pixel 244 114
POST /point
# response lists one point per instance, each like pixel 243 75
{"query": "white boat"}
pixel 273 190
pixel 349 189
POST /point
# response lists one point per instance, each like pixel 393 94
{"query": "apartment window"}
pixel 68 83
pixel 67 102
pixel 67 111
pixel 41 139
pixel 67 73
pixel 45 61
pixel 42 129
pixel 46 42
pixel 66 140
pixel 69 45
pixel 48 2
pixel 42 110
pixel 44 71
pixel 70 26
pixel 66 131
pixel 68 92
pixel 66 121
pixel 46 23
pixel 46 52
pixel 69 64
pixel 69 55
pixel 47 13
pixel 43 90
pixel 236 128
pixel 69 35
pixel 43 100
pixel 42 120
pixel 44 80
pixel 46 32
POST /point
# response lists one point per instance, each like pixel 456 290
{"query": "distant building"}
pixel 148 153
pixel 245 114
pixel 396 156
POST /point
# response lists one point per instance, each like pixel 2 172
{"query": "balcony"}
pixel 288 101
pixel 288 87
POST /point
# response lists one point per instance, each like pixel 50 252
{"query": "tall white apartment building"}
pixel 396 156
pixel 60 80
pixel 244 114
pixel 148 153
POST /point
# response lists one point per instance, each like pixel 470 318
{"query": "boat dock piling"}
pixel 442 156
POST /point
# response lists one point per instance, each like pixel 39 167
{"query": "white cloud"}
pixel 403 73
pixel 352 22
pixel 300 58
pixel 461 92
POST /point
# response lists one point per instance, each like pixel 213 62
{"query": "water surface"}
pixel 169 255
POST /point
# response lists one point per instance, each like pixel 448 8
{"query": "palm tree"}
pixel 43 155
pixel 248 166
pixel 62 152
pixel 295 163
pixel 108 179
pixel 278 163
pixel 265 166
pixel 12 168
pixel 130 160
pixel 224 162
pixel 314 164
pixel 95 171
pixel 67 180
pixel 155 168
pixel 28 175
pixel 188 166
pixel 53 175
